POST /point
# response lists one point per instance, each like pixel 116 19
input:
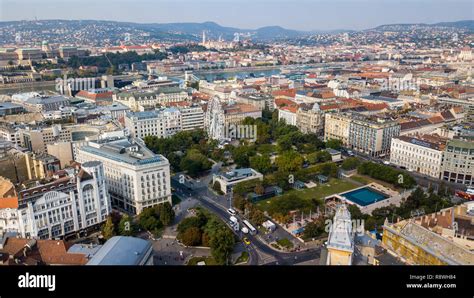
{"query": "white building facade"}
pixel 83 203
pixel 136 178
pixel 417 155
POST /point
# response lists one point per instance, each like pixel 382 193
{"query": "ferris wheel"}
pixel 215 119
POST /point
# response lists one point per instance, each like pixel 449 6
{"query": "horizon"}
pixel 301 15
pixel 270 25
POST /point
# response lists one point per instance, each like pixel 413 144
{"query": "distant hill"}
pixel 113 32
pixel 466 24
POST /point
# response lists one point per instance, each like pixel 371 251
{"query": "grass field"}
pixel 319 192
pixel 366 180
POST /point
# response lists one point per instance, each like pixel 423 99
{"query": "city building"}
pixel 372 135
pixel 36 139
pixel 25 251
pixel 336 126
pixel 123 251
pixel 8 207
pixel 136 177
pixel 441 238
pixel 260 100
pixel 142 99
pixel 420 153
pixel 62 151
pixel 310 119
pixel 147 123
pixel 340 244
pixel 99 96
pixel 71 203
pixel 8 108
pixel 458 162
pixel 288 114
pixel 192 117
pixel 10 133
pixel 36 102
pixel 41 165
pixel 229 179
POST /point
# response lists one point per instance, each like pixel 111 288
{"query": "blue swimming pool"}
pixel 364 196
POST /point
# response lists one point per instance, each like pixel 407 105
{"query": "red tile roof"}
pixel 9 203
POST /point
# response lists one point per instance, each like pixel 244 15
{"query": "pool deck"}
pixel 394 197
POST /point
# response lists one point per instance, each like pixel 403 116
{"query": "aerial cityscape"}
pixel 128 141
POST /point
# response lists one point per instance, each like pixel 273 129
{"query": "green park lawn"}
pixel 319 192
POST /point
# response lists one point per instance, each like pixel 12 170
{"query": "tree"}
pixel 241 155
pixel 126 226
pixel 222 244
pixel 239 202
pixel 166 213
pixel 108 230
pixel 285 143
pixel 350 163
pixel 334 144
pixel 320 156
pixel 314 229
pixel 355 212
pixel 205 240
pixel 289 161
pixel 329 169
pixel 261 163
pixel 256 216
pixel 217 186
pixel 195 162
pixel 191 237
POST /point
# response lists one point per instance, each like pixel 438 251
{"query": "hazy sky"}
pixel 248 14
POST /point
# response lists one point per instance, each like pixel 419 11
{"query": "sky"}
pixel 246 14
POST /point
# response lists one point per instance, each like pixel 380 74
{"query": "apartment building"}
pixel 75 201
pixel 147 123
pixel 458 162
pixel 336 126
pixel 372 135
pixel 10 134
pixel 136 178
pixel 192 117
pixel 37 139
pixel 288 114
pixel 310 119
pixel 140 100
pixel 237 112
pixel 420 153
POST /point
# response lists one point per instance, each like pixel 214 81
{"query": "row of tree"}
pixel 387 174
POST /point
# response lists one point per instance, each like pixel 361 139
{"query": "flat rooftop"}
pixel 132 152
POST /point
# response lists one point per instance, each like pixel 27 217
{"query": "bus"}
pixel 252 230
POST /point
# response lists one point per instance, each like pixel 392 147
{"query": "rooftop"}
pixel 132 152
pixel 121 250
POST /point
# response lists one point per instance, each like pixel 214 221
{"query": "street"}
pixel 219 205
